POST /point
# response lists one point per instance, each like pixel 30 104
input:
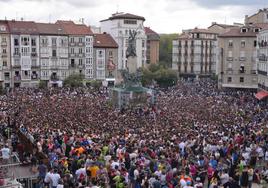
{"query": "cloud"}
pixel 220 3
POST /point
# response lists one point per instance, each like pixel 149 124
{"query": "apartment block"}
pixel 5 60
pixel 262 60
pixel 152 46
pixel 194 53
pixel 238 54
pixel 105 58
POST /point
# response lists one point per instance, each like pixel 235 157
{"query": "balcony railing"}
pixel 54 78
pixel 3 43
pixel 242 59
pixel 229 58
pixel 34 76
pixel 26 77
pixel 34 54
pixel 16 54
pixel 4 55
pixel 17 78
pixel 16 66
pixel 81 44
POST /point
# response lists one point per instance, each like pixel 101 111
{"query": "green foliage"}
pixel 42 84
pixel 164 77
pixel 165 49
pixel 96 84
pixel 74 80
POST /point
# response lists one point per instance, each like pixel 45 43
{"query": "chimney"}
pixel 213 23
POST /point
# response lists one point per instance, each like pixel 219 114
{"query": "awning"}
pixel 261 95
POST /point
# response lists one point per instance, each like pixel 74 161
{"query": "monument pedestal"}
pixel 132 64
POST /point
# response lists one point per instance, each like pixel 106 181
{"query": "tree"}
pixel 74 80
pixel 164 77
pixel 165 49
pixel 42 84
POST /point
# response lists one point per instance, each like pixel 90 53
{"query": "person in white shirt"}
pixel 55 178
pixel 5 153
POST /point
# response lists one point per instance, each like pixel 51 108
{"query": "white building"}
pixel 24 53
pixel 53 53
pixel 262 60
pixel 118 26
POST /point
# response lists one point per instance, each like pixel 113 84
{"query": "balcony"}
pixel 3 43
pixel 6 78
pixel 80 55
pixel 17 78
pixel 16 66
pixel 16 54
pixel 81 44
pixel 4 55
pixel 34 76
pixel 26 77
pixel 229 58
pixel 253 71
pixel 242 59
pixel 72 43
pixel 35 65
pixel 264 73
pixel 34 54
pixel 54 78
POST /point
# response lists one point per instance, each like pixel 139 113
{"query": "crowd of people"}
pixel 194 136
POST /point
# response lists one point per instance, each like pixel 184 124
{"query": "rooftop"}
pixel 104 41
pixel 22 27
pixel 74 29
pixel 236 32
pixel 124 16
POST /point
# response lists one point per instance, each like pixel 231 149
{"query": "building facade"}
pixel 119 26
pixel 53 65
pixel 260 17
pixel 105 58
pixel 238 67
pixel 32 52
pixel 194 53
pixel 152 46
pixel 24 38
pixel 262 60
pixel 80 48
pixel 5 65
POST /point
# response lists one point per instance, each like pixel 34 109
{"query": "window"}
pixel 143 43
pixel 230 65
pixel 26 73
pixel 243 43
pixel 100 54
pixel 16 52
pixel 80 40
pixel 229 79
pixel 33 50
pixel 72 50
pixel 33 42
pixel 16 42
pixel 6 74
pixel 255 43
pixel 242 56
pixel 110 53
pixel 80 50
pixel 241 79
pixel 230 44
pixel 126 32
pixel 243 30
pixel 4 39
pixel 80 71
pixel 72 63
pixel 242 68
pixel 25 41
pixel 54 53
pixel 131 22
pixel 256 30
pixel 230 53
pixel 54 41
pixel 4 63
pixel 80 62
pixel 72 40
pixel 87 49
pixel 4 51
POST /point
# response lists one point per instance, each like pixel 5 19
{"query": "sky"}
pixel 163 16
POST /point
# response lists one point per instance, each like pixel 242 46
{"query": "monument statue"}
pixel 131 49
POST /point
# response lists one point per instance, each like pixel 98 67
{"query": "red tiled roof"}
pixel 50 29
pixel 74 29
pixel 236 32
pixel 22 27
pixel 151 35
pixel 197 30
pixel 125 16
pixel 104 41
pixel 223 25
